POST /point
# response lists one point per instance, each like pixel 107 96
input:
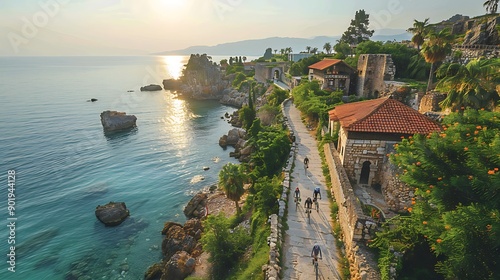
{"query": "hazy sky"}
pixel 93 27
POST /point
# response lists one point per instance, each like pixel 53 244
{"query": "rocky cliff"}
pixel 203 79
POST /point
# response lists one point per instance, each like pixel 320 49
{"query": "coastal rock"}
pixel 112 214
pixel 113 120
pixel 223 141
pixel 172 84
pixel 179 266
pixel 154 272
pixel 151 87
pixel 196 206
pixel 176 239
pixel 234 135
pixel 203 79
pixel 234 98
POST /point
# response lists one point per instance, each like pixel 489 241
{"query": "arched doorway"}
pixel 365 173
pixel 276 74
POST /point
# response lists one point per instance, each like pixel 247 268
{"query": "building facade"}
pixel 368 131
pixel 333 74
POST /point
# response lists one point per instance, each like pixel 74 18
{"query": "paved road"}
pixel 302 235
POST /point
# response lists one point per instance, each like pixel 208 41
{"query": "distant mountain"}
pixel 257 47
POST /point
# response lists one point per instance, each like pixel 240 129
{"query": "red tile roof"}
pixel 325 63
pixel 382 115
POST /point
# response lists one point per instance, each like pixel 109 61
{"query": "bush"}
pixel 224 244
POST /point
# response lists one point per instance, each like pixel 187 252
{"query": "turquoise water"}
pixel 65 165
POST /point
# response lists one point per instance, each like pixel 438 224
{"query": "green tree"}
pixel 240 77
pixel 308 49
pixel 272 146
pixel 472 85
pixel 455 210
pixel 225 245
pixel 342 50
pixel 301 67
pixel 419 31
pixel 491 6
pixel 277 96
pixel 328 48
pixel 231 180
pixel 435 49
pixel 358 31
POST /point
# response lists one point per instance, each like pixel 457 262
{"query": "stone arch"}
pixel 364 177
pixel 276 72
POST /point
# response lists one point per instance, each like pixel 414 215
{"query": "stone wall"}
pixel 430 102
pixel 356 152
pixel 464 54
pixel 373 70
pixel 275 240
pixel 397 194
pixel 354 224
pixel 264 71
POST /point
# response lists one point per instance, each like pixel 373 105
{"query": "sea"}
pixel 58 164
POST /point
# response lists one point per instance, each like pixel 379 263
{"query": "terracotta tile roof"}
pixel 382 115
pixel 325 63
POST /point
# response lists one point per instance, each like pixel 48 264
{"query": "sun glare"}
pixel 174 65
pixel 171 4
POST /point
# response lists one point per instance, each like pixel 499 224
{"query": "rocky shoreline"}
pixel 181 248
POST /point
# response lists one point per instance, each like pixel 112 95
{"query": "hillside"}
pixel 258 46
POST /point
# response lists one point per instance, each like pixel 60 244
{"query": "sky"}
pixel 121 27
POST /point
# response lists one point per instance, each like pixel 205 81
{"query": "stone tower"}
pixel 373 70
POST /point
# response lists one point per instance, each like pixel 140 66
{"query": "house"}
pixel 333 74
pixel 367 132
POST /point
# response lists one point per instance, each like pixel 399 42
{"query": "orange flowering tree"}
pixel 455 211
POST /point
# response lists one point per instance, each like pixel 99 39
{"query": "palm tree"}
pixel 244 58
pixel 288 50
pixel 308 49
pixel 491 6
pixel 328 48
pixel 314 50
pixel 435 49
pixel 231 180
pixel 472 85
pixel 419 30
pixel 275 51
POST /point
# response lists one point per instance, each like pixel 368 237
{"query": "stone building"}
pixel 333 74
pixel 373 71
pixel 268 71
pixel 367 132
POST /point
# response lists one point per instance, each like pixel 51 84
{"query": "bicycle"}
pixel 316 203
pixel 308 211
pixel 316 268
pixel 297 202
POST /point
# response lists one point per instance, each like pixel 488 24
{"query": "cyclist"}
pixel 308 204
pixel 315 201
pixel 297 193
pixel 306 162
pixel 316 192
pixel 316 250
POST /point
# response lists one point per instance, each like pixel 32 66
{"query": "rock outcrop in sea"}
pixel 203 79
pixel 112 214
pixel 151 87
pixel 113 120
